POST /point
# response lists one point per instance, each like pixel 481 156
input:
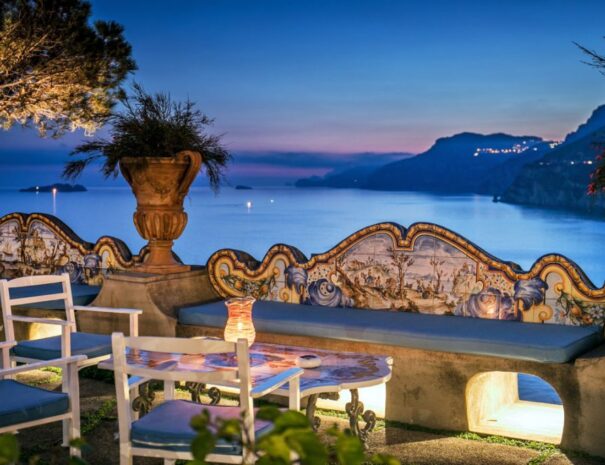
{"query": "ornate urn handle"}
pixel 195 163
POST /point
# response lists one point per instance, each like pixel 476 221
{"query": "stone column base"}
pixel 159 296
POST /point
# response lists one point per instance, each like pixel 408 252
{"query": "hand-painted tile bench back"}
pixel 425 269
pixel 36 243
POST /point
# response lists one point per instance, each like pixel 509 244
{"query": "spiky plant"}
pixel 152 125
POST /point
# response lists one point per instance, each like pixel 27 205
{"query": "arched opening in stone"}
pixel 515 405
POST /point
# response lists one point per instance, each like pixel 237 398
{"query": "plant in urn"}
pixel 159 146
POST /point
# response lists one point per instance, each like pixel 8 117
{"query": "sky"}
pixel 336 78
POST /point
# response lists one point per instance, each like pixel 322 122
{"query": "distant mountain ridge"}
pixel 516 169
pixel 462 163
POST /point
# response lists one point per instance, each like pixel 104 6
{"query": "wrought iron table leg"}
pixel 196 389
pixel 312 404
pixel 355 411
pixel 310 410
pixel 142 404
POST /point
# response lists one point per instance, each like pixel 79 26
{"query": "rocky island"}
pixel 55 188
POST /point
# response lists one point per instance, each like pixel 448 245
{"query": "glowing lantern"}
pixel 239 322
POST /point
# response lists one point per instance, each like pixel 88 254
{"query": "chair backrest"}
pixel 58 288
pixel 171 371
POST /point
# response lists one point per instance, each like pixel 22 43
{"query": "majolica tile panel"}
pixel 41 244
pixel 425 268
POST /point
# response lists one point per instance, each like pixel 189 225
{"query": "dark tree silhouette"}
pixel 59 71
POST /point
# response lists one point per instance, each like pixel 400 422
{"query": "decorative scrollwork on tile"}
pixel 425 268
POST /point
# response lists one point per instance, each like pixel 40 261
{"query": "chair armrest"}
pixel 7 344
pixel 275 382
pixel 133 314
pixel 46 363
pixel 31 319
pixel 125 311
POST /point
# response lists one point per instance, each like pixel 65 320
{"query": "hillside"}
pixel 463 163
pixel 560 178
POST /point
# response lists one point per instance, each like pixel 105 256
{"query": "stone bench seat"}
pixel 82 294
pixel 545 343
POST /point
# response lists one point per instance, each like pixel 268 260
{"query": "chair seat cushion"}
pixel 91 345
pixel 82 294
pixel 508 339
pixel 22 403
pixel 167 427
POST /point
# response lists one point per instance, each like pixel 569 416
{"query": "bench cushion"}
pixel 82 294
pixel 23 403
pixel 509 339
pixel 167 427
pixel 91 345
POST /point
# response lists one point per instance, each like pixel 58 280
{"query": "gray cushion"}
pixel 82 294
pixel 509 339
pixel 167 427
pixel 91 345
pixel 22 403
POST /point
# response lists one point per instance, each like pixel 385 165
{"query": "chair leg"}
pixel 73 433
pixel 125 454
pixel 67 428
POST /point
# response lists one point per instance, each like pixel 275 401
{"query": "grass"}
pixel 92 420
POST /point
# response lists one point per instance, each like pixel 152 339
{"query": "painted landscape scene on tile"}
pixel 426 269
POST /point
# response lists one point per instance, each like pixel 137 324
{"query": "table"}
pixel 339 371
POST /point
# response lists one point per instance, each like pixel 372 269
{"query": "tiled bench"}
pixel 447 311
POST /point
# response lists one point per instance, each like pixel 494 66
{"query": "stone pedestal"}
pixel 159 296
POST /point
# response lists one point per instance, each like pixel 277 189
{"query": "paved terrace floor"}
pixel 412 446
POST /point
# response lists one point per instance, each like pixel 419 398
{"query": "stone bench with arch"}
pixel 460 324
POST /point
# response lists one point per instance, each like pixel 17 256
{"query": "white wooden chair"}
pixel 24 406
pixel 52 288
pixel 165 432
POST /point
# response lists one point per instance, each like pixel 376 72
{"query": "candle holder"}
pixel 239 321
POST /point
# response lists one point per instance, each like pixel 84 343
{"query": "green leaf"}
pixel 268 413
pixel 308 447
pixel 202 445
pixel 9 449
pixel 349 450
pixel 201 421
pixel 274 446
pixel 230 430
pixel 290 419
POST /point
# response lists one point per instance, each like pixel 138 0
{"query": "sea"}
pixel 314 220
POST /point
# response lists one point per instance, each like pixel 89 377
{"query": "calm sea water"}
pixel 315 220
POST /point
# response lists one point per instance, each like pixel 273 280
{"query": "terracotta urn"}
pixel 160 185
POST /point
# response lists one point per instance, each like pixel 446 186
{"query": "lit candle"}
pixel 239 322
